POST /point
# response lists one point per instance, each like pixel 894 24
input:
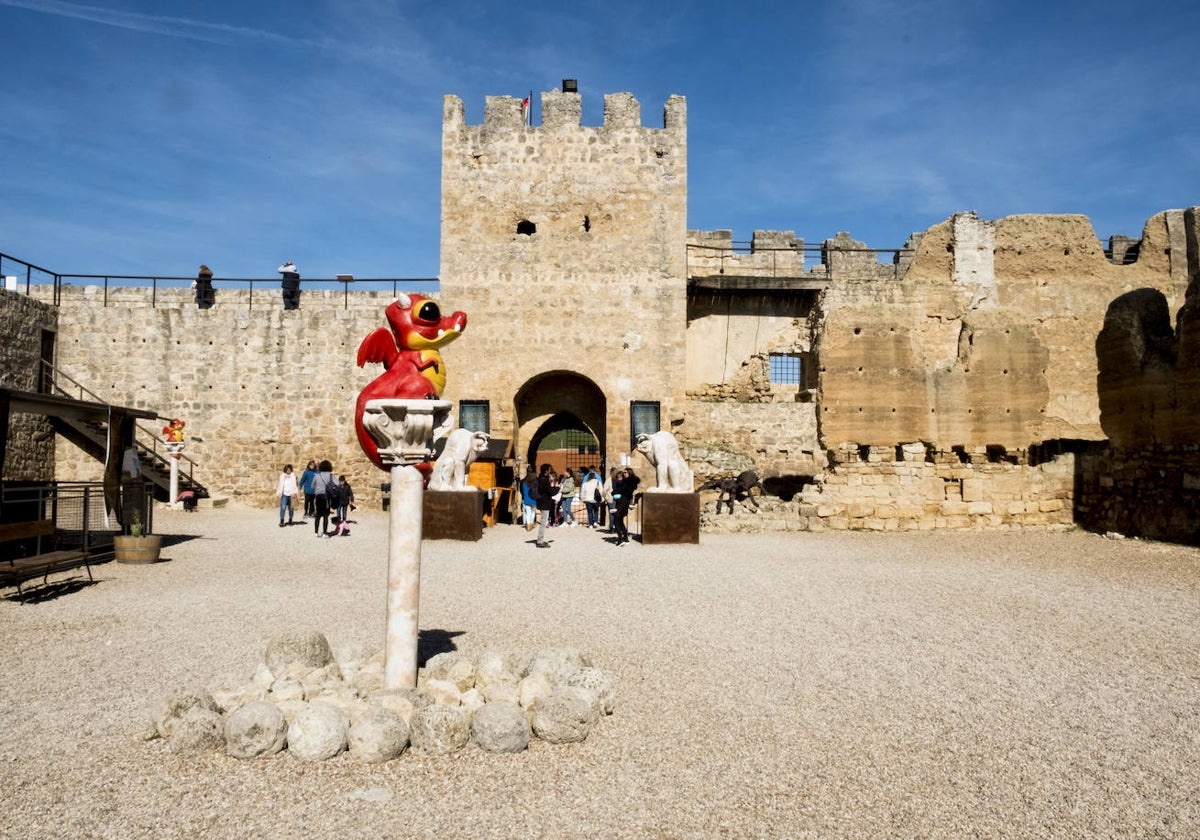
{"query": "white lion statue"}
pixel 671 473
pixel 462 448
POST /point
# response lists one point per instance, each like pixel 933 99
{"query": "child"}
pixel 345 499
pixel 342 528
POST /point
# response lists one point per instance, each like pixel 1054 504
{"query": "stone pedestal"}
pixel 453 515
pixel 404 431
pixel 670 518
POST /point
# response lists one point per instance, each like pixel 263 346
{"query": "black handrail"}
pixel 52 376
pixel 36 275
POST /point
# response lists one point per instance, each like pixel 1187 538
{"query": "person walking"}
pixel 285 490
pixel 546 490
pixel 306 487
pixel 323 482
pixel 622 493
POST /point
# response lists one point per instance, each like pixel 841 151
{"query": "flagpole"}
pixel 529 110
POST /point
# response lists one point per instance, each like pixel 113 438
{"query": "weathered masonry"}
pixel 988 374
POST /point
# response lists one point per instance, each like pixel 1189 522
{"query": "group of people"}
pixel 206 297
pixel 548 499
pixel 324 495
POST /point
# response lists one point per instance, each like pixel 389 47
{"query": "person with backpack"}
pixel 325 488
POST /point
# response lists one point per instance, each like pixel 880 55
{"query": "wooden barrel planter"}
pixel 144 549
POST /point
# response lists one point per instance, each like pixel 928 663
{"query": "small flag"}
pixel 525 110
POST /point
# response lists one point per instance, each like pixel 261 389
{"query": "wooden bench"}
pixel 15 571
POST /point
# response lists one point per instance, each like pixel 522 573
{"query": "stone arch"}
pixel 555 400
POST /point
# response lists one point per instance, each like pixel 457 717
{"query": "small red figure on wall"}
pixel 173 436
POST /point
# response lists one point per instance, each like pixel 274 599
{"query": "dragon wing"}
pixel 378 346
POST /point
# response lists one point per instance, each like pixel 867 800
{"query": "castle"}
pixel 990 374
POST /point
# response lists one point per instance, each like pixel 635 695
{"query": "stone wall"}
pixel 257 386
pixel 568 243
pixel 30 448
pixel 947 380
pixel 989 338
pixel 909 489
pixel 1145 480
pixel 1151 492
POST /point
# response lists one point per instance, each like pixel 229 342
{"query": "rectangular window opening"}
pixel 645 418
pixel 785 369
pixel 475 416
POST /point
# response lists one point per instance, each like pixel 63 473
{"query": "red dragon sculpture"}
pixel 413 367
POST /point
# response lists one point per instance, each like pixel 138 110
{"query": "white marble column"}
pixel 174 450
pixel 404 431
pixel 404 578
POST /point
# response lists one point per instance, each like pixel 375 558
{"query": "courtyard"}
pixel 838 684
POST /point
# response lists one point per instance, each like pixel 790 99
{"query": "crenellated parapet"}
pixel 513 194
pixel 559 111
pixel 769 254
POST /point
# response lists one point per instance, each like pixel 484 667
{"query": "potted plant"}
pixel 137 546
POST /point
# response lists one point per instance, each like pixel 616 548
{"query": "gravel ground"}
pixel 818 685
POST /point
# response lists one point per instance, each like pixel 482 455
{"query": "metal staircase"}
pixel 92 437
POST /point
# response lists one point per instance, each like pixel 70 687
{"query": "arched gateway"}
pixel 564 402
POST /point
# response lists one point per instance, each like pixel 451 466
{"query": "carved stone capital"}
pixel 404 430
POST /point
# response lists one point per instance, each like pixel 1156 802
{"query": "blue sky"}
pixel 143 137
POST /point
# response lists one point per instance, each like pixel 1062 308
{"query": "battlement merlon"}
pixel 562 111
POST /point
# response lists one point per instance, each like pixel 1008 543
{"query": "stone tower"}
pixel 569 243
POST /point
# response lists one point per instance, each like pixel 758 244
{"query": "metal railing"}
pixel 779 262
pixel 150 440
pixel 77 510
pixel 28 275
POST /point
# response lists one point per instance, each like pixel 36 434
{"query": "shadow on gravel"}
pixel 432 642
pixel 49 591
pixel 176 539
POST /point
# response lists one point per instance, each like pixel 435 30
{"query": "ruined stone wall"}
pixel 569 243
pixel 988 338
pixel 1146 480
pixel 771 253
pixel 726 437
pixel 1151 492
pixel 257 386
pixel 23 320
pixel 911 488
pixel 983 350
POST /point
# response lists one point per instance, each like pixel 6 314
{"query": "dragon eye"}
pixel 429 312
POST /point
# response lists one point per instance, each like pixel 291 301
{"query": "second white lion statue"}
pixel 671 472
pixel 462 448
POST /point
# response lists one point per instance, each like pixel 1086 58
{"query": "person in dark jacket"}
pixel 306 487
pixel 622 492
pixel 322 483
pixel 291 285
pixel 547 488
pixel 204 288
